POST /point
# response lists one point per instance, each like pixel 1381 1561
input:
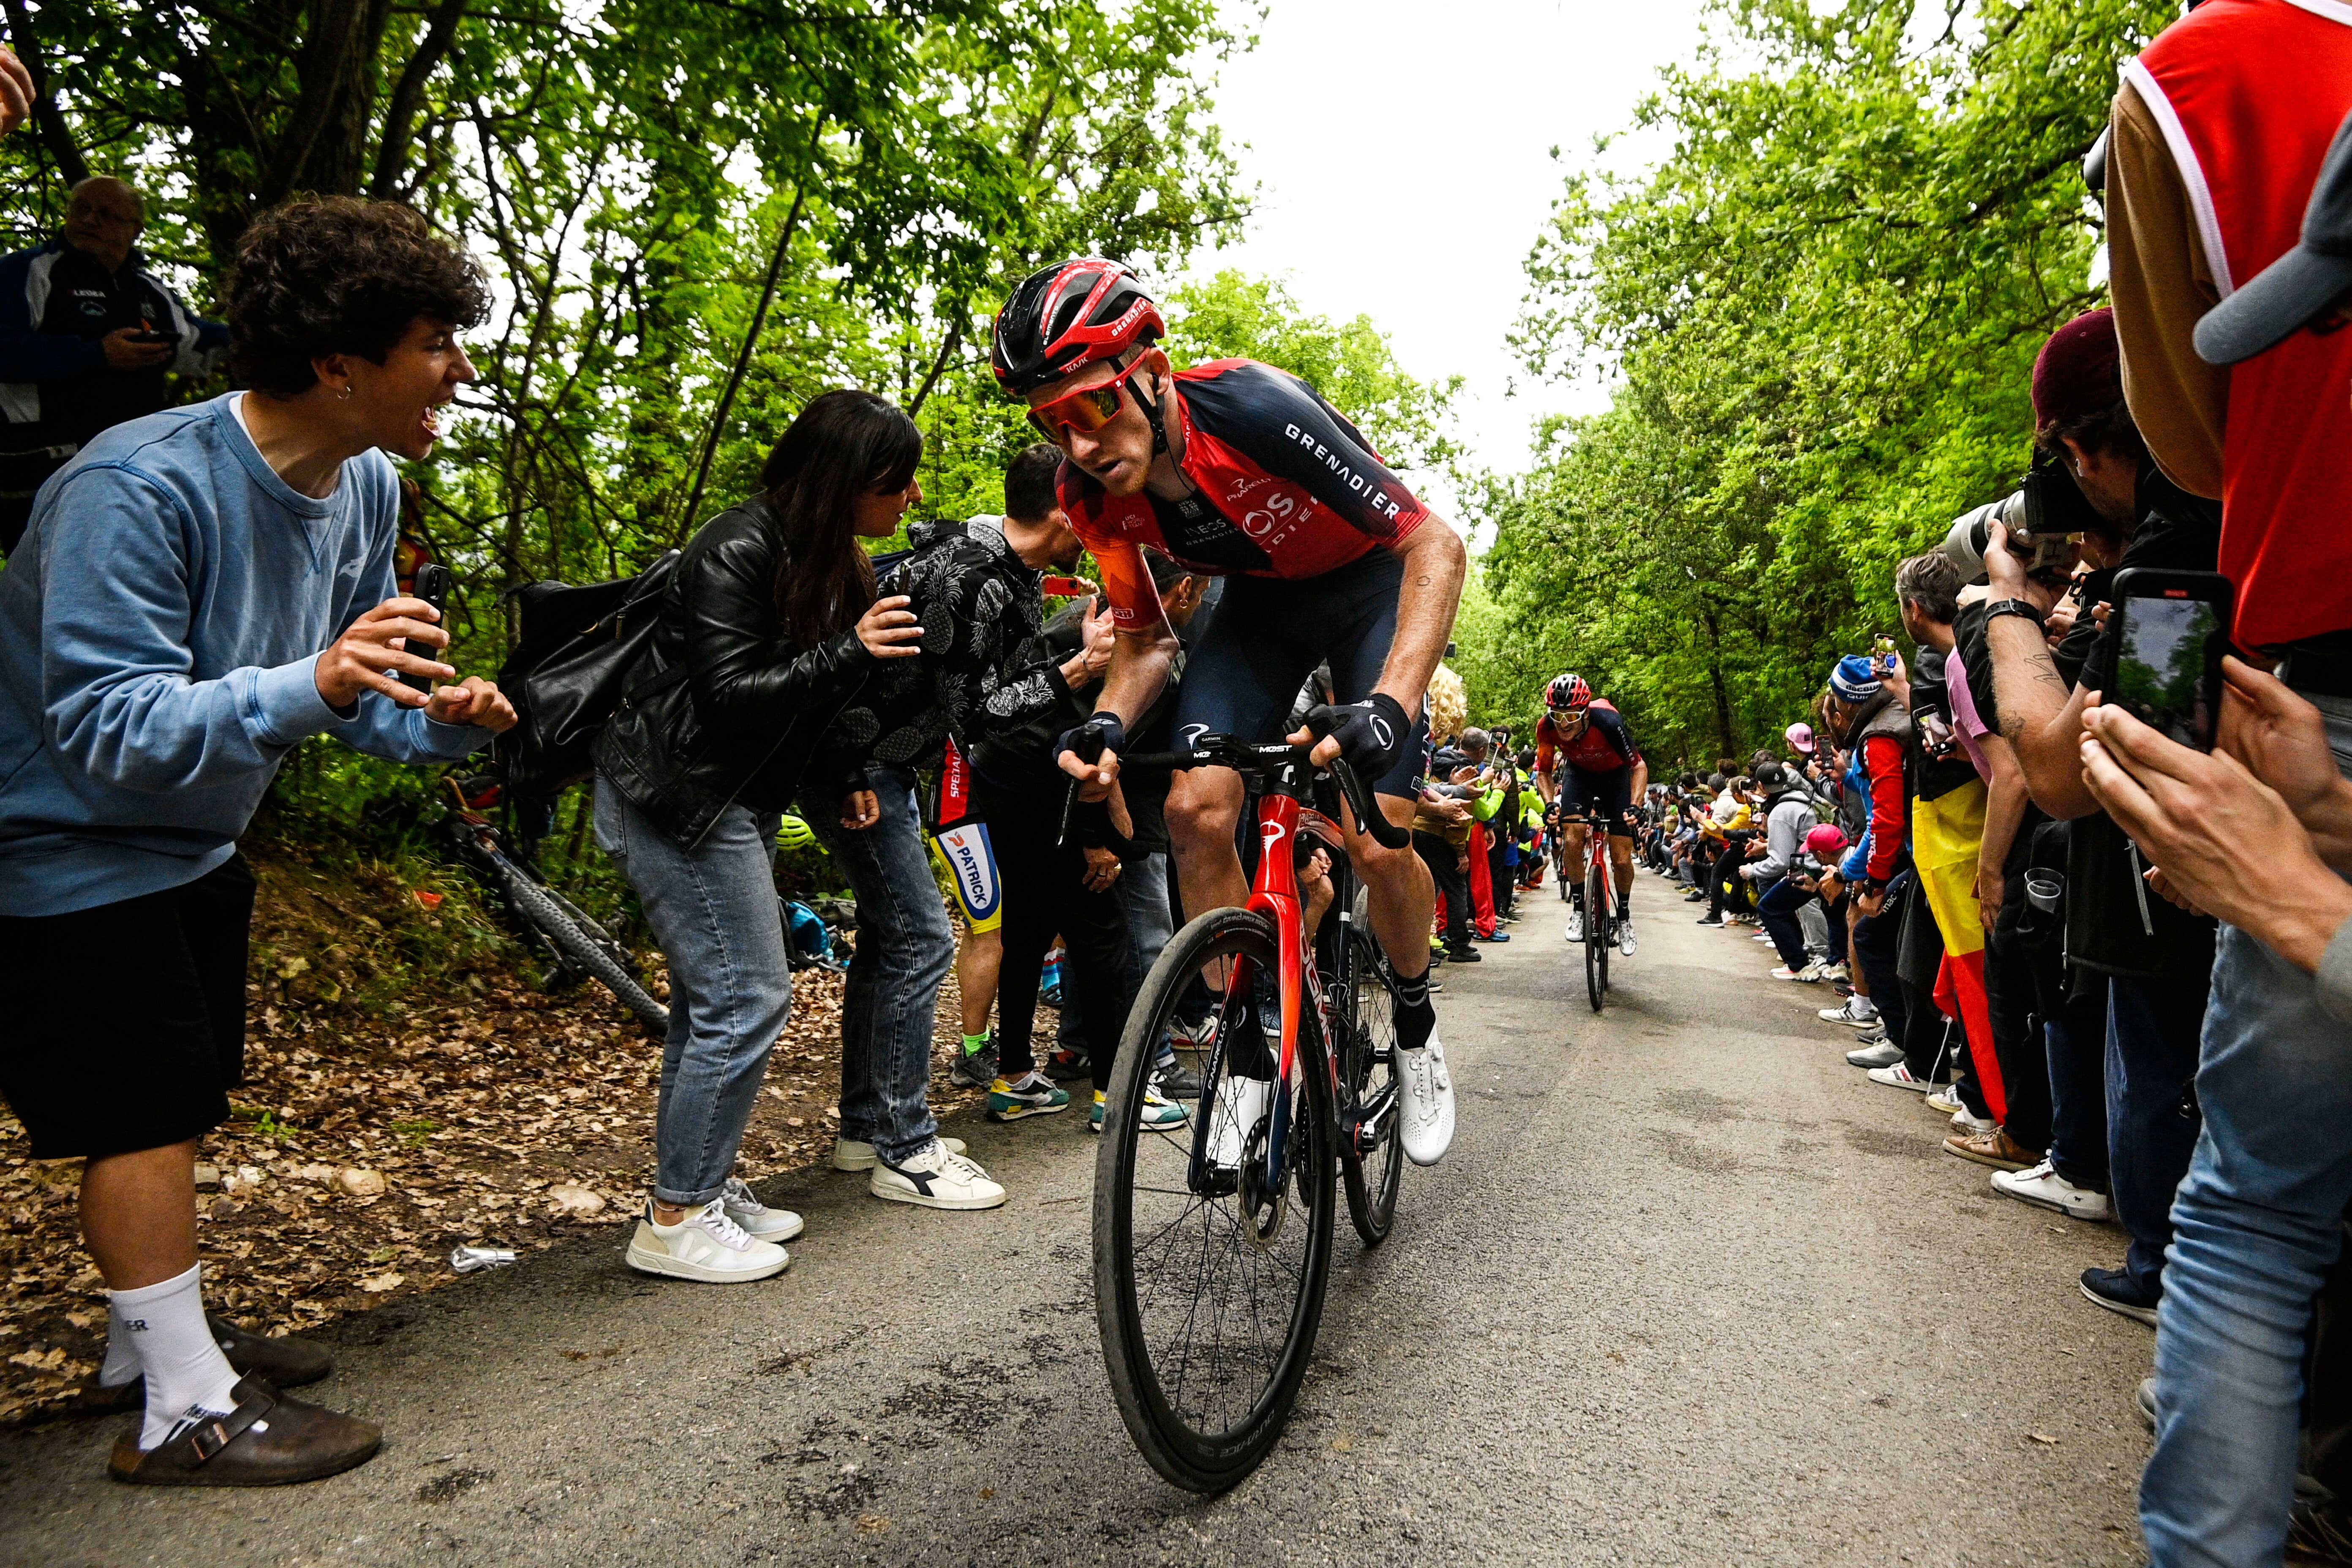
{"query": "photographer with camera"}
pixel 2154 957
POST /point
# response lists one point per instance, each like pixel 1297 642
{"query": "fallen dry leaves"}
pixel 366 1146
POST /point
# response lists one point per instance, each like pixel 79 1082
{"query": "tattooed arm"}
pixel 2040 718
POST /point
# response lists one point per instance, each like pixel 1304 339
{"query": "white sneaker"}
pixel 1626 944
pixel 1241 1105
pixel 1885 1054
pixel 1835 971
pixel 2043 1184
pixel 935 1178
pixel 850 1154
pixel 1807 975
pixel 1574 932
pixel 1426 1119
pixel 1858 1013
pixel 1948 1100
pixel 705 1245
pixel 756 1218
pixel 1967 1125
pixel 1899 1077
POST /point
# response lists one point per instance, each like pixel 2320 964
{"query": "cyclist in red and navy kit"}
pixel 1585 758
pixel 1239 470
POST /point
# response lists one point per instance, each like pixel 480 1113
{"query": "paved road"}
pixel 1689 1291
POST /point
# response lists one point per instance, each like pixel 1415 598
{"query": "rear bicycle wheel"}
pixel 1596 933
pixel 1209 1289
pixel 1367 1057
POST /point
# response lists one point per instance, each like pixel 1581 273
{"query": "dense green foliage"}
pixel 697 213
pixel 1823 306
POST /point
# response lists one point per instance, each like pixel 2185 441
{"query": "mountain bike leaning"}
pixel 546 920
pixel 1213 1239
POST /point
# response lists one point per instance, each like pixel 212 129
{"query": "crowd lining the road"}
pixel 2120 967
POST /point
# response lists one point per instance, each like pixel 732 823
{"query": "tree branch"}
pixel 399 117
pixel 55 136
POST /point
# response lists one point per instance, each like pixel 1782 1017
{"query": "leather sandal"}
pixel 288 1362
pixel 268 1440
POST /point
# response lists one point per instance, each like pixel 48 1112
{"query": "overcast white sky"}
pixel 1402 152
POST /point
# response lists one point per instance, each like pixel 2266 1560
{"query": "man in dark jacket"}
pixel 88 339
pixel 986 671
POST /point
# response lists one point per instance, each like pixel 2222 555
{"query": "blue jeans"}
pixel 2152 1031
pixel 904 948
pixel 1777 910
pixel 713 909
pixel 2256 1227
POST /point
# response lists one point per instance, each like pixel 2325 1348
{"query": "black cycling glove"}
pixel 1372 734
pixel 1101 733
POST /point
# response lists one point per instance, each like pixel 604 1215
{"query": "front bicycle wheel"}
pixel 1596 932
pixel 544 911
pixel 1562 871
pixel 1366 1013
pixel 1209 1277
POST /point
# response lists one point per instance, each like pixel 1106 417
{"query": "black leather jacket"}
pixel 724 710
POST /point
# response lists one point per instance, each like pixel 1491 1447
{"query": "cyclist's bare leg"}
pixel 1204 807
pixel 1620 855
pixel 1574 836
pixel 1403 896
pixel 978 960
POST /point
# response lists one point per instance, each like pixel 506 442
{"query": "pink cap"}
pixel 1799 736
pixel 1824 841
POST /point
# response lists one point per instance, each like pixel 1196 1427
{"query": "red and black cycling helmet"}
pixel 1068 315
pixel 1568 691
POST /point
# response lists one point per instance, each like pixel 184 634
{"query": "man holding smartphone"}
pixel 88 340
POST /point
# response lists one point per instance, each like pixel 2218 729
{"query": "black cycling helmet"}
pixel 1066 316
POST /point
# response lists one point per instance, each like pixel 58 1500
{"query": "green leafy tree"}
pixel 1823 307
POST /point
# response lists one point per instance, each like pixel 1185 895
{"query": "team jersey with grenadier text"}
pixel 1605 746
pixel 1285 486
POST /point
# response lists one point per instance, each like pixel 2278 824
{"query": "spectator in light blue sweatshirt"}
pixel 198 592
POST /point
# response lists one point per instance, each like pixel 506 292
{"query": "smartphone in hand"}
pixel 433 580
pixel 2165 639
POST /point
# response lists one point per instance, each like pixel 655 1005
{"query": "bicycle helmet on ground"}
pixel 1066 316
pixel 1568 692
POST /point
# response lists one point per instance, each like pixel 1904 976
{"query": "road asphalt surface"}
pixel 1688 1290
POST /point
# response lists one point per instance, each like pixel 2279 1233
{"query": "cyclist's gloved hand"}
pixel 1372 734
pixel 1087 742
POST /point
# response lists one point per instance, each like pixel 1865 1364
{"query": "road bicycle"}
pixel 1212 1240
pixel 551 923
pixel 1601 902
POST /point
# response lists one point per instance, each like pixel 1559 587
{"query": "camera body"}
pixel 2042 516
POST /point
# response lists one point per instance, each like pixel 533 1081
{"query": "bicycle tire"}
pixel 1559 866
pixel 1371 1184
pixel 544 909
pixel 1189 1454
pixel 1596 933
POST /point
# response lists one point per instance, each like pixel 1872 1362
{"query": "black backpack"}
pixel 565 676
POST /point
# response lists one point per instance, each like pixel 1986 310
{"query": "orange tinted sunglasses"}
pixel 1089 408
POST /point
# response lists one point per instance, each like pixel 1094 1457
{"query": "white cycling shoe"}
pixel 1575 927
pixel 1425 1117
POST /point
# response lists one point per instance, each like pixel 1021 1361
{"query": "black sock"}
pixel 1416 1015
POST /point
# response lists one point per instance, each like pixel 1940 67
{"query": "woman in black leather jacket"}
pixel 769 625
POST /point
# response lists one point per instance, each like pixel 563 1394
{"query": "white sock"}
pixel 186 1374
pixel 121 1363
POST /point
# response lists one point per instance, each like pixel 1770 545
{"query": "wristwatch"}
pixel 2018 607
